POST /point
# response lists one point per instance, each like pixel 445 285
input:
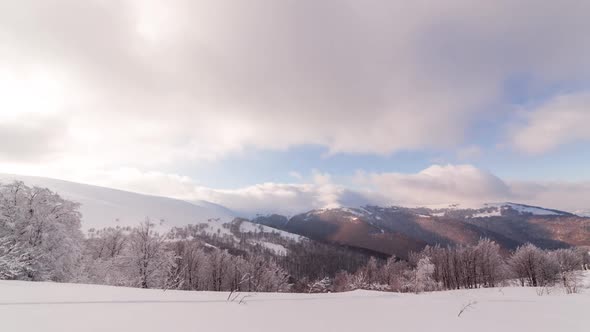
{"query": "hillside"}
pixel 399 230
pixel 377 230
pixel 104 207
pixel 50 307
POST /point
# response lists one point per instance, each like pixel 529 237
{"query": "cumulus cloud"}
pixel 152 82
pixel 470 186
pixel 568 196
pixel 97 91
pixel 437 185
pixel 262 198
pixel 563 119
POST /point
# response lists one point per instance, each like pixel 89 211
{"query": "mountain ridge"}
pixel 399 230
pixel 394 230
pixel 104 207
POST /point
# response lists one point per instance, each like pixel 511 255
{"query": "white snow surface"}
pixel 249 227
pixel 105 207
pixel 528 209
pixel 582 213
pixel 494 213
pixel 276 248
pixel 492 209
pixel 52 307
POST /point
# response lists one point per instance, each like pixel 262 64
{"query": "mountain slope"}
pixel 103 207
pixel 399 230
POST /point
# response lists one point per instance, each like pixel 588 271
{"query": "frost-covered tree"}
pixel 532 266
pixel 191 263
pixel 341 282
pixel 44 227
pixel 14 261
pixel 569 263
pixel 320 286
pixel 218 270
pixel 147 257
pixel 107 243
pixel 422 278
pixel 490 266
pixel 104 262
pixel 393 273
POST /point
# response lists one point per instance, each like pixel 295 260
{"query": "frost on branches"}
pixel 40 237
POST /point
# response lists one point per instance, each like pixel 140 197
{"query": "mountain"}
pixel 103 207
pixel 378 230
pixel 399 230
pixel 583 213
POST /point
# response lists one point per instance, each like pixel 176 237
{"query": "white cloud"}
pixel 97 91
pixel 471 186
pixel 440 185
pixel 563 119
pixel 153 82
pixel 435 185
pixel 568 196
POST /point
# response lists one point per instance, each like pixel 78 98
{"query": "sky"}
pixel 267 105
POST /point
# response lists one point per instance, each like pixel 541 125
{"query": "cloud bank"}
pixel 560 120
pixel 143 83
pixel 437 185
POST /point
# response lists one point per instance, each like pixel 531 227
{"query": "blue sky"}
pixel 296 103
pixel 569 163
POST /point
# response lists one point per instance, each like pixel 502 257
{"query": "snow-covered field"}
pixel 27 306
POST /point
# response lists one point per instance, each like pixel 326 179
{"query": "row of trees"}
pixel 40 239
pixel 141 257
pixel 481 265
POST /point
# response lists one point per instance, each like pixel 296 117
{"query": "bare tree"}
pixel 147 256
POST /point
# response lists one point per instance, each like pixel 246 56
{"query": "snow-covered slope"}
pixel 102 207
pixel 49 307
pixel 249 227
pixel 494 210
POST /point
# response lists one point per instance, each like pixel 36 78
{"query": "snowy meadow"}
pixel 53 307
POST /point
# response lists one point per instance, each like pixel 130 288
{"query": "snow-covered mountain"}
pixel 105 207
pixel 583 213
pixel 494 210
pixel 102 207
pixel 387 230
pixel 398 230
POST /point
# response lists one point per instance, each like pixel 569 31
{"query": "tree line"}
pixel 467 267
pixel 41 239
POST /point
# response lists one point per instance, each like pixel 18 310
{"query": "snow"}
pixel 356 212
pixel 494 213
pixel 50 307
pixel 104 207
pixel 522 209
pixel 249 227
pixel 535 211
pixel 582 213
pixel 277 248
